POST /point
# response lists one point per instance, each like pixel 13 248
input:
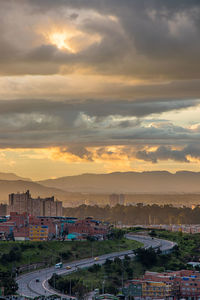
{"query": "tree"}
pixel 94 269
pixel 9 284
pixel 129 272
pixel 148 257
pixel 153 233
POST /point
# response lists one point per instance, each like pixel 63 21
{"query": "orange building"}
pixel 38 233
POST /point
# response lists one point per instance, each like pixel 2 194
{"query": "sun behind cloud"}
pixel 59 39
pixel 69 38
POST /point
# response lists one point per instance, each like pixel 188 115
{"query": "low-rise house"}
pixel 89 227
pixel 168 285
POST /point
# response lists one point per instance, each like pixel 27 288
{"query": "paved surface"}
pixel 29 287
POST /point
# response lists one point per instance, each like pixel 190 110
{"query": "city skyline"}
pixel 99 86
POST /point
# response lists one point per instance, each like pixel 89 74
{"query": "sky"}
pixel 90 86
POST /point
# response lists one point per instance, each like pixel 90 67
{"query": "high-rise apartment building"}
pixel 23 202
pixel 115 199
pixel 19 202
pixel 121 199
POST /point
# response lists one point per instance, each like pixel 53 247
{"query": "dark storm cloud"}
pixel 166 153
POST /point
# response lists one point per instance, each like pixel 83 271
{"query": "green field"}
pixel 16 254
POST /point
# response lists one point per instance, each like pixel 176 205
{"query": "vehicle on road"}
pixel 58 265
pixel 68 267
pixel 37 280
pixel 96 291
pixel 96 258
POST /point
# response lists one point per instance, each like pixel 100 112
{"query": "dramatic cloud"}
pixel 97 108
pixel 143 39
pixel 105 84
pixel 61 123
pixel 167 153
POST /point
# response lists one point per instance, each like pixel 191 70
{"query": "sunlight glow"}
pixel 68 38
pixel 59 39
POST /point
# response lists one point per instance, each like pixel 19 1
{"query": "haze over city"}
pixel 99 86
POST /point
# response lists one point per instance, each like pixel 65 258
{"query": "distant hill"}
pixel 95 188
pixel 129 182
pixel 7 187
pixel 12 176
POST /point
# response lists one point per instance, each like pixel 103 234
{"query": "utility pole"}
pixel 70 287
pixel 103 283
pixel 122 274
pixel 29 263
pixel 92 249
pixel 54 281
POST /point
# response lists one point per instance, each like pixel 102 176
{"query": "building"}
pixel 121 199
pixel 160 289
pixel 74 237
pixel 25 227
pixel 3 209
pixel 185 228
pixel 23 202
pixel 53 225
pixel 38 233
pixel 150 289
pixel 41 228
pixel 88 227
pixel 168 285
pixel 19 202
pixel 115 199
pixel 16 227
pixel 133 289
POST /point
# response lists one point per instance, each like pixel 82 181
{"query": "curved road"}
pixel 29 287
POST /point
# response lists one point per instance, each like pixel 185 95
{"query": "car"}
pixel 68 267
pixel 96 258
pixel 37 280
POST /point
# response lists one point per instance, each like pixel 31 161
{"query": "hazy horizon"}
pixel 93 173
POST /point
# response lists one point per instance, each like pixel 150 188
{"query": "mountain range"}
pixel 14 186
pixel 129 182
pixel 72 188
pixel 12 176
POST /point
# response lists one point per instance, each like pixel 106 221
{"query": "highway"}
pixel 35 283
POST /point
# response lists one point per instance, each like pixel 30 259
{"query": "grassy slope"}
pixel 54 251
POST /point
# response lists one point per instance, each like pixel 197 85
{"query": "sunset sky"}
pixel 97 86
